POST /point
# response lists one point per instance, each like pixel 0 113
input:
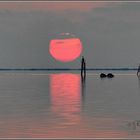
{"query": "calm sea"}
pixel 64 105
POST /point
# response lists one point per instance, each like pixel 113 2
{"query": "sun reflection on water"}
pixel 65 97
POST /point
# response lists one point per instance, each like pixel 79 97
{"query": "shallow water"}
pixel 62 105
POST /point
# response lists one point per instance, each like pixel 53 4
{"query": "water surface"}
pixel 63 105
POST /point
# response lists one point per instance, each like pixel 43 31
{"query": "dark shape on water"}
pixel 102 75
pixel 83 67
pixel 138 71
pixel 110 75
pixel 83 80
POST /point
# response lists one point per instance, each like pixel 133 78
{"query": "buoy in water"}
pixel 102 75
pixel 110 75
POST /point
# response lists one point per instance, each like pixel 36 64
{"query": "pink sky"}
pixel 52 5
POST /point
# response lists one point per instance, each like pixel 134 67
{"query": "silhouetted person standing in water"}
pixel 138 71
pixel 83 67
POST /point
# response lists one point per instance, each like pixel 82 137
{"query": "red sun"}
pixel 65 50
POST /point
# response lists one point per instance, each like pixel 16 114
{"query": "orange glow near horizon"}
pixel 65 97
pixel 65 50
pixel 51 6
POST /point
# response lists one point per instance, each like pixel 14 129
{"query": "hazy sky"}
pixel 109 31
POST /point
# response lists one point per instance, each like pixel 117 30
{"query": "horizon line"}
pixel 67 69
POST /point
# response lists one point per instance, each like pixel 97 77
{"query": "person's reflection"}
pixel 65 98
pixel 83 86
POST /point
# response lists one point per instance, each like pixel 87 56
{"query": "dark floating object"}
pixel 110 75
pixel 102 75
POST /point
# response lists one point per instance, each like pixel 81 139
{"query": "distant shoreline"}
pixel 66 69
